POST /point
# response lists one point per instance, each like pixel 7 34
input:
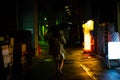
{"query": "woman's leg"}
pixel 62 61
pixel 56 64
pixel 61 65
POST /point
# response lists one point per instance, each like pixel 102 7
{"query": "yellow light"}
pixel 67 10
pixel 87 27
pixel 83 26
pixel 66 6
pixel 45 18
pixel 90 24
pixel 46 25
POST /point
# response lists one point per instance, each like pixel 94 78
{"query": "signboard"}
pixel 23 49
pixel 5 50
pixel 113 50
pixel 6 57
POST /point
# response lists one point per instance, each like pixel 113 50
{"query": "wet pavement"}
pixel 78 66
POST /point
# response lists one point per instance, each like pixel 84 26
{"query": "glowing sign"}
pixel 113 50
pixel 87 43
pixel 88 26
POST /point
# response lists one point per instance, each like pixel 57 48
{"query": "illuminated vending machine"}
pixel 113 46
pixel 88 38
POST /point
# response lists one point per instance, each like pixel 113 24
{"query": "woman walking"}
pixel 56 49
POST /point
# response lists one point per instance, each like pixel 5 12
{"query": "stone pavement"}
pixel 77 66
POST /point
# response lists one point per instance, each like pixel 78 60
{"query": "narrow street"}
pixel 77 66
pixel 44 67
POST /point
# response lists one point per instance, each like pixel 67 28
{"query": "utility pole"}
pixel 118 15
pixel 35 27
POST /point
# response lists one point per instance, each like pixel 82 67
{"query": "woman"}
pixel 56 49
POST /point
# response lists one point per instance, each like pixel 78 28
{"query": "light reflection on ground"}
pixel 48 60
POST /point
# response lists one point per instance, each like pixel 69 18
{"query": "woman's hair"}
pixel 57 33
pixel 61 32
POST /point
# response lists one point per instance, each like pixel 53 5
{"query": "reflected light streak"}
pixel 47 60
pixel 87 70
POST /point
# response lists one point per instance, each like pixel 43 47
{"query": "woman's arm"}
pixel 64 40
